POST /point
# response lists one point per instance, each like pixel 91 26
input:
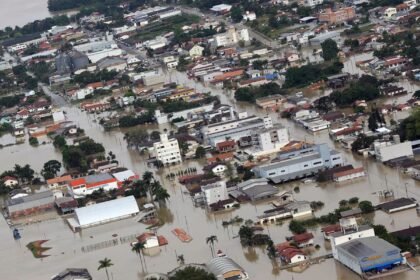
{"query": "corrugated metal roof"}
pixel 221 265
pixel 368 246
pixel 106 211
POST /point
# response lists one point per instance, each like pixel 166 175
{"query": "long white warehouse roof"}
pixel 107 211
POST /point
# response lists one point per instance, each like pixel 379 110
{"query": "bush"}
pixel 366 206
pixel 354 200
pixel 296 227
pixel 33 141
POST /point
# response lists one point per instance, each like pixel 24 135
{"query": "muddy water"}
pixel 66 246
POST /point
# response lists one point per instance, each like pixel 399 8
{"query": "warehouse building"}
pixel 299 163
pixel 369 254
pixel 30 204
pixel 105 212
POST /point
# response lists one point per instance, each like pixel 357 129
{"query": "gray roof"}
pixel 73 274
pixel 97 178
pixel 257 188
pixel 109 61
pixel 293 175
pixel 30 201
pixel 287 162
pixel 368 246
pixel 29 198
pixel 351 212
pixel 221 265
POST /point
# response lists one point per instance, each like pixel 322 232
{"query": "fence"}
pixel 100 245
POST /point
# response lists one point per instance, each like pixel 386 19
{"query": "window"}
pixel 317 163
pixel 327 160
pixel 283 171
pixel 305 165
pixel 271 173
pixel 335 158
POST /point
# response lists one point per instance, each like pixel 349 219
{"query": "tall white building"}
pixel 214 192
pixel 167 150
pixel 231 37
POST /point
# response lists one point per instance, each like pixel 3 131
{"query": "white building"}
pixel 249 16
pixel 231 37
pixel 350 230
pixel 104 212
pixel 214 192
pixel 312 3
pixel 268 140
pixel 385 151
pixel 167 150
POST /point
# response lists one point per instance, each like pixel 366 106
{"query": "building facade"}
pixel 301 163
pixel 167 150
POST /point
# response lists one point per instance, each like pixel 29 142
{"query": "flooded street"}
pixel 66 246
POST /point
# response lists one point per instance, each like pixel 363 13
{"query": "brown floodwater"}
pixel 66 246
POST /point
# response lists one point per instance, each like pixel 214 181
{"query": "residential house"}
pixel 226 146
pixel 30 204
pixel 10 181
pixel 349 174
pixel 59 182
pixel 303 240
pixel 196 51
pixel 290 254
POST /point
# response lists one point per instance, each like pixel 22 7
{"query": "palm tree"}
pixel 148 177
pixel 161 195
pixel 180 259
pixel 105 263
pixel 210 240
pixel 138 248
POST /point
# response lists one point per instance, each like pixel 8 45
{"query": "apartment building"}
pixel 167 150
pixel 234 129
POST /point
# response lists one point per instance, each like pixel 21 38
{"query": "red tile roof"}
pixel 302 238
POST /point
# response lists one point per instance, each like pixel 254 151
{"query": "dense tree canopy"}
pixel 192 273
pixel 329 49
pixel 306 74
pixel 366 88
pixel 250 94
pixel 409 128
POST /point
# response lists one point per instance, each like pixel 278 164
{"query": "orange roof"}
pixel 78 182
pixel 99 183
pixel 95 85
pixel 229 75
pixel 59 179
pixel 227 143
pixel 222 157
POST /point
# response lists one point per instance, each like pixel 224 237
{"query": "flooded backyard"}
pixel 66 246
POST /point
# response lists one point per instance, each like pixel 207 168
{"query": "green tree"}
pixel 296 227
pixel 200 152
pixel 105 264
pixel 236 14
pixel 329 49
pixel 210 240
pixel 25 173
pixel 246 234
pixel 138 249
pixel 33 141
pixel 51 169
pixel 192 273
pixel 59 142
pixel 354 200
pixel 161 195
pixel 366 206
